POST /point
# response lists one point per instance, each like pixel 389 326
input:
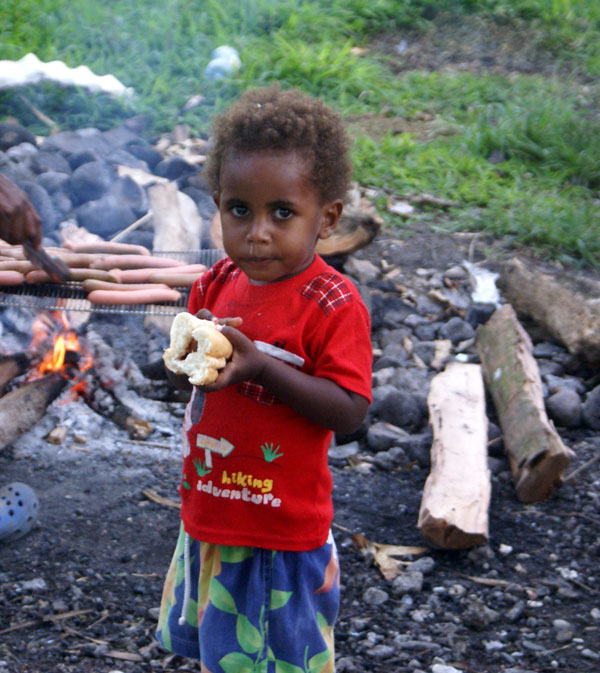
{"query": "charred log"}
pixel 24 407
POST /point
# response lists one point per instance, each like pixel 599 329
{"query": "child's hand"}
pixel 247 362
pixel 205 314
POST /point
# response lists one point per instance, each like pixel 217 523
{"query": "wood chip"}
pixel 161 500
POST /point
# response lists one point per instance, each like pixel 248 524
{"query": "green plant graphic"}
pixel 186 483
pixel 269 452
pixel 201 468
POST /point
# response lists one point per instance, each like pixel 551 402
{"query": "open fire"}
pixel 66 351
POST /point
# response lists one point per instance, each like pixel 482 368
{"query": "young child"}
pixel 253 585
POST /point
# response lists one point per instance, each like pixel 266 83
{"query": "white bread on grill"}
pixel 197 349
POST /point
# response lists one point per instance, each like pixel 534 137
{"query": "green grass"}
pixel 542 131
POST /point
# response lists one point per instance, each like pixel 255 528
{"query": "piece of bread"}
pixel 197 349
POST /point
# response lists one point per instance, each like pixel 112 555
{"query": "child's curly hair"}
pixel 270 118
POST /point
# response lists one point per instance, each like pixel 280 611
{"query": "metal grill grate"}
pixel 71 296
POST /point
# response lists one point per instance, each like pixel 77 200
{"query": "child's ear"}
pixel 330 216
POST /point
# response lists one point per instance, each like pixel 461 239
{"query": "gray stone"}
pixel 375 596
pixel 42 162
pixel 477 615
pixel 379 394
pixel 381 436
pixel 393 355
pixel 409 582
pixel 425 350
pixel 417 447
pixel 42 203
pixel 23 153
pixel 549 367
pixel 457 330
pixel 479 314
pixel 546 349
pixel 425 565
pixel 591 409
pixel 394 336
pixel 361 269
pixel 340 454
pixel 104 216
pixel 381 651
pixel 564 408
pixel 427 331
pixel 401 408
pixel 52 181
pixel 557 383
pixel 90 181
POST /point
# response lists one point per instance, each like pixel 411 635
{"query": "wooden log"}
pixel 10 366
pixel 177 224
pixel 456 496
pixel 565 305
pixel 22 408
pixel 536 453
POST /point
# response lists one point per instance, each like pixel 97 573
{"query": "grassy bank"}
pixel 519 150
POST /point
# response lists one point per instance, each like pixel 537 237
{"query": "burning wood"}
pixel 536 453
pixel 454 506
pixel 25 406
pixel 10 367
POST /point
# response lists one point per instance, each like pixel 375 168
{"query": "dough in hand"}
pixel 197 349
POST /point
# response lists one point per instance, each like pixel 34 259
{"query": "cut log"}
pixel 536 453
pixel 564 305
pixel 11 366
pixel 456 496
pixel 177 225
pixel 23 408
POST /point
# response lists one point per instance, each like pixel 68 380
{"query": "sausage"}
pixel 108 247
pixel 77 275
pixel 96 274
pixel 20 265
pixel 91 285
pixel 190 268
pixel 133 262
pixel 116 297
pixel 74 259
pixel 8 277
pixel 134 275
pixel 173 279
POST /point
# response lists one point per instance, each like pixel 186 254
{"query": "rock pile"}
pixel 73 175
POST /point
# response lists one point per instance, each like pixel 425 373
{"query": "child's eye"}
pixel 283 213
pixel 239 211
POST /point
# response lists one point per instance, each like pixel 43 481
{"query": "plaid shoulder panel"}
pixel 220 272
pixel 328 290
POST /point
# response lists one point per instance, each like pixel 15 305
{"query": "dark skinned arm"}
pixel 19 221
pixel 320 400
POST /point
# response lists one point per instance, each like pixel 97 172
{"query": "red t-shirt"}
pixel 255 471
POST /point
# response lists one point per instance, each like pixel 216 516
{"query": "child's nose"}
pixel 258 231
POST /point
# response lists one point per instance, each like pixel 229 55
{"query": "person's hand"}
pixel 205 314
pixel 19 221
pixel 246 362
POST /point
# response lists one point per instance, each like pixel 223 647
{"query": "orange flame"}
pixel 64 339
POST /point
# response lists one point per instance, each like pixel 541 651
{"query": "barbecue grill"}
pixel 71 296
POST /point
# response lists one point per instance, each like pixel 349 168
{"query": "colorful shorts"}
pixel 252 609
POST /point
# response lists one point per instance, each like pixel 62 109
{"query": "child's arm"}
pixel 318 399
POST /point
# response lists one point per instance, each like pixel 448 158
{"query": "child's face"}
pixel 271 215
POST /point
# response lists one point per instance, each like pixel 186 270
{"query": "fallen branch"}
pixel 567 307
pixel 536 453
pixel 454 509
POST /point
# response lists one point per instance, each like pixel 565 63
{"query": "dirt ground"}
pixel 80 592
